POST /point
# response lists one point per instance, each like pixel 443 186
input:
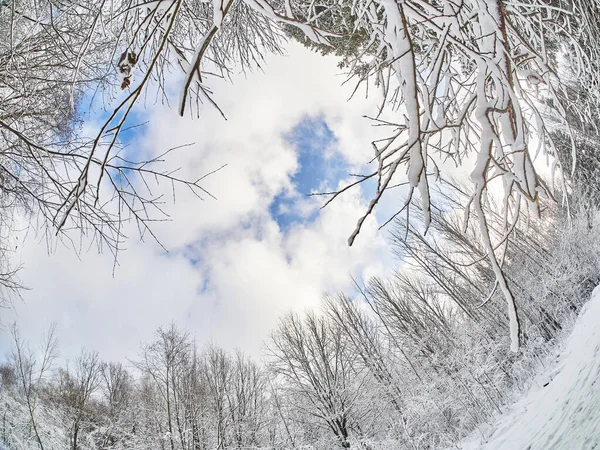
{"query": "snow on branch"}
pixel 470 78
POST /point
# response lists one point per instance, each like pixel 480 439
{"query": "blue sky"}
pixel 320 167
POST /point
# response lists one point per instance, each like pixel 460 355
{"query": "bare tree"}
pixel 311 355
pixel 75 388
pixel 247 403
pixel 30 374
pixel 56 58
pixel 218 376
pixel 156 37
pixel 457 88
pixel 117 387
pixel 163 362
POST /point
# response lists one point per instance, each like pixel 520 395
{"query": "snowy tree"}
pixel 311 355
pixel 31 373
pixel 55 59
pixel 471 81
pixel 74 390
pixel 349 42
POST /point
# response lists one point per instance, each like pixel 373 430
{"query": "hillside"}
pixel 562 410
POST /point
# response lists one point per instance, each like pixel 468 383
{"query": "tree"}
pixel 312 357
pixel 74 392
pixel 457 88
pixel 218 377
pixel 55 58
pixel 53 55
pixel 30 374
pixel 465 77
pixel 163 362
pixel 349 42
pixel 247 403
pixel 117 387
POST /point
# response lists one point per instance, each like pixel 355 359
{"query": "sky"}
pixel 236 264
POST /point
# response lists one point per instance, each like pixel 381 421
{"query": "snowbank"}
pixel 565 413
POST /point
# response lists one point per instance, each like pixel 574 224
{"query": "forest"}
pixel 492 268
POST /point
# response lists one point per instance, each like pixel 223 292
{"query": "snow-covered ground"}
pixel 565 413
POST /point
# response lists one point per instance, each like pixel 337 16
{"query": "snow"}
pixel 562 410
pixel 218 13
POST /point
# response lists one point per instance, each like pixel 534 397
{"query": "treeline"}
pixel 414 361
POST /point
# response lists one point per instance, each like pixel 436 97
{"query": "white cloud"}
pixel 231 271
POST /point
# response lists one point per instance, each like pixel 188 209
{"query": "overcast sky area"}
pixel 235 264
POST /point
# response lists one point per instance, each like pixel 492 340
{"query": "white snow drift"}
pixel 564 411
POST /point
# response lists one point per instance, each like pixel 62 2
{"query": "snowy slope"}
pixel 565 414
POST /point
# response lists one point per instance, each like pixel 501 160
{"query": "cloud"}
pixel 231 270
